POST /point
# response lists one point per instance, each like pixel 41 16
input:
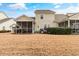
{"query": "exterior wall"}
pixel 63 24
pixel 48 21
pixel 7 25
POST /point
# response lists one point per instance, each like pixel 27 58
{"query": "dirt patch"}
pixel 38 44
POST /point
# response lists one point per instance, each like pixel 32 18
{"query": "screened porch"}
pixel 24 27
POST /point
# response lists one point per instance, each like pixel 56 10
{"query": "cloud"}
pixel 77 4
pixel 18 6
pixel 0 4
pixel 73 9
pixel 57 5
pixel 70 9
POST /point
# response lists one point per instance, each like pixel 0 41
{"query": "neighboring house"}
pixel 5 22
pixel 72 21
pixel 24 24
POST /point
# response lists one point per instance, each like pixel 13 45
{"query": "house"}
pixel 44 19
pixel 71 21
pixel 6 22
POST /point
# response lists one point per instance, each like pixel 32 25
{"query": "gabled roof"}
pixel 44 12
pixel 69 14
pixel 74 16
pixel 4 20
pixel 60 17
pixel 4 17
pixel 24 18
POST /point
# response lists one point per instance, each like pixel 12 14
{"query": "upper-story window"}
pixel 42 17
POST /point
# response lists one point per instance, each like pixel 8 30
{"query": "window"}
pixel 41 16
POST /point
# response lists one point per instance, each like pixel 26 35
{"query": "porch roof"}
pixel 60 18
pixel 24 18
pixel 69 16
pixel 75 16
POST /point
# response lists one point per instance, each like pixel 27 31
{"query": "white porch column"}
pixel 32 27
pixel 68 23
pixel 21 28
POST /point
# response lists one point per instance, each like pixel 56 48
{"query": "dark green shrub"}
pixel 4 31
pixel 58 30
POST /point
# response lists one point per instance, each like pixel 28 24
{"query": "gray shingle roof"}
pixel 44 11
pixel 60 17
pixel 4 20
pixel 24 18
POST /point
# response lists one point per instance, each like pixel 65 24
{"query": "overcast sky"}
pixel 17 9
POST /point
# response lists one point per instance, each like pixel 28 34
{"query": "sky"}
pixel 18 9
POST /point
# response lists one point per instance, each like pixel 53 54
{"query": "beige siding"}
pixel 48 20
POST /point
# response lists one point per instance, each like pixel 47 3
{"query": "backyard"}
pixel 38 44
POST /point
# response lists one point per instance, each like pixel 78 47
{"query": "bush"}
pixel 4 31
pixel 58 30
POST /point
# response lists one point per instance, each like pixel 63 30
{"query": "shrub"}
pixel 4 31
pixel 58 30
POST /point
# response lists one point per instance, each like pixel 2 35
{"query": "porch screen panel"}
pixel 30 27
pixel 24 25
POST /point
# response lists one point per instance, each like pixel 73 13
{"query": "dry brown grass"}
pixel 39 44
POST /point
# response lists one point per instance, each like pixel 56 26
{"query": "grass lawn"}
pixel 38 44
